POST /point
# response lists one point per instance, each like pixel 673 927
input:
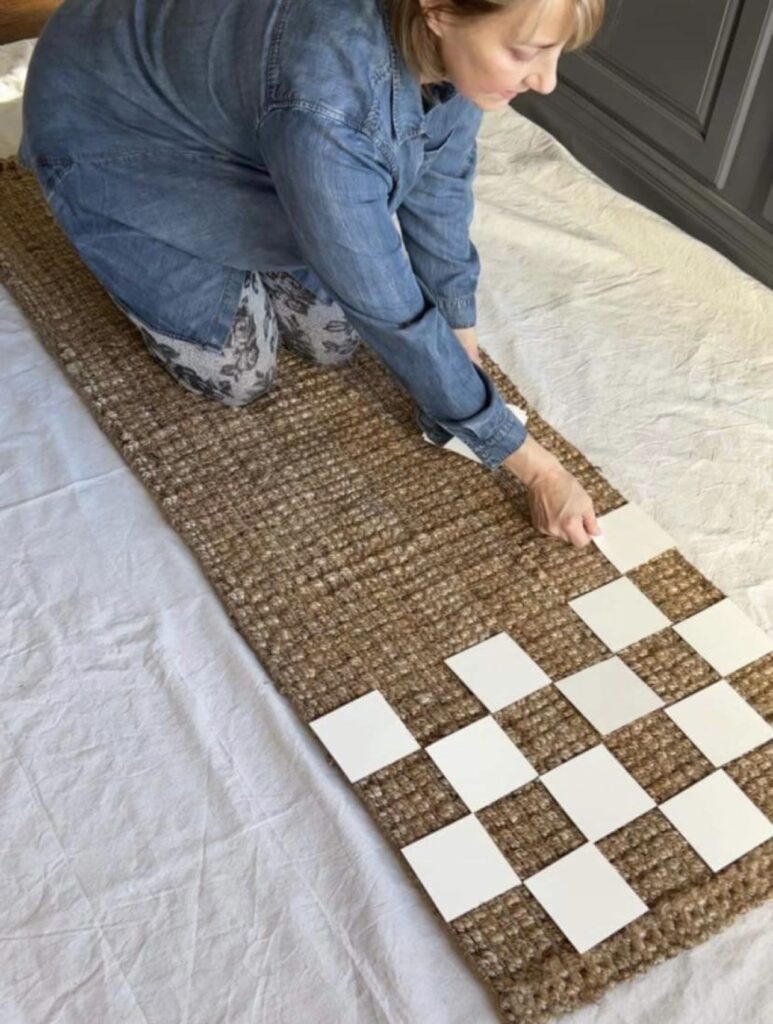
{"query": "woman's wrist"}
pixel 529 461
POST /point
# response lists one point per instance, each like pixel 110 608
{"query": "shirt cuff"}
pixel 492 433
pixel 458 312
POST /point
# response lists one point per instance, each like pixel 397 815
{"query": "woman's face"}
pixel 503 53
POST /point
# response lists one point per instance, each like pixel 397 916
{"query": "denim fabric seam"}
pixel 469 436
pixel 118 156
pixel 269 102
pixel 430 154
pixel 500 433
pixel 327 113
pixel 458 308
pixel 471 158
pixel 51 185
pixel 99 157
pixel 51 161
pixel 497 437
pixel 231 283
pixel 274 31
pixel 174 335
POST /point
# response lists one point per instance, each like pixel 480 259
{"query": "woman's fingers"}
pixel 561 508
pixel 582 528
pixel 591 523
pixel 577 534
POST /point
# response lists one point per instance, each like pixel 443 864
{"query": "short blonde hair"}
pixel 419 45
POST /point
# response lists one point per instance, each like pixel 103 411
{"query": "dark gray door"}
pixel 672 103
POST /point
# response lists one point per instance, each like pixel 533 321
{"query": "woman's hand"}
pixel 559 505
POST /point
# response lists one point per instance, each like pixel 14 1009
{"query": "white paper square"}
pixel 364 735
pixel 586 896
pixel 725 637
pixel 609 694
pixel 717 819
pixel 720 723
pixel 619 613
pixel 597 792
pixel 630 537
pixel 460 866
pixel 498 671
pixel 481 762
pixel 455 445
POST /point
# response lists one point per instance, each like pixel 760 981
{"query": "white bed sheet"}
pixel 175 846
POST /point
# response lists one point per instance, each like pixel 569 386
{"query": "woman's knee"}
pixel 311 326
pixel 212 374
pixel 336 350
pixel 245 392
pixel 238 373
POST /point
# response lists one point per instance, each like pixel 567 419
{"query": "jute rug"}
pixel 354 557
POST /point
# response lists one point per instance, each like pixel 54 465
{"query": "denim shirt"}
pixel 181 143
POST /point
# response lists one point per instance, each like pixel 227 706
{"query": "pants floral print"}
pixel 273 307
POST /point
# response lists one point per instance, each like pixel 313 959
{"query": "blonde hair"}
pixel 420 46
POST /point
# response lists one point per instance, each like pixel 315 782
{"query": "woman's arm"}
pixel 469 340
pixel 435 217
pixel 334 187
pixel 530 461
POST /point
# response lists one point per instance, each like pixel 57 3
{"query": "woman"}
pixel 255 170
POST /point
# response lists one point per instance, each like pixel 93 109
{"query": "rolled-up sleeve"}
pixel 435 218
pixel 334 187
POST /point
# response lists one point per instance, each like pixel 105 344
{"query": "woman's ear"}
pixel 432 19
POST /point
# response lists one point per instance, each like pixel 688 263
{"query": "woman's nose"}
pixel 543 81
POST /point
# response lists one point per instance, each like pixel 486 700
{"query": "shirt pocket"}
pixel 433 147
pixel 421 154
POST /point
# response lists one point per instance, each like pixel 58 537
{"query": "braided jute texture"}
pixel 352 557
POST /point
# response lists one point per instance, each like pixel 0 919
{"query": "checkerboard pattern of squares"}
pixel 461 866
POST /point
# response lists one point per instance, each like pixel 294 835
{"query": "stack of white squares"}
pixel 461 867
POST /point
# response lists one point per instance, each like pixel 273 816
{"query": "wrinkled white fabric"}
pixel 175 846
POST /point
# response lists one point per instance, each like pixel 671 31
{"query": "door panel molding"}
pixel 704 138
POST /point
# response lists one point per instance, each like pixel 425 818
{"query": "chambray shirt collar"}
pixel 408 116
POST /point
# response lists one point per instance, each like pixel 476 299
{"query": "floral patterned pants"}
pixel 273 307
